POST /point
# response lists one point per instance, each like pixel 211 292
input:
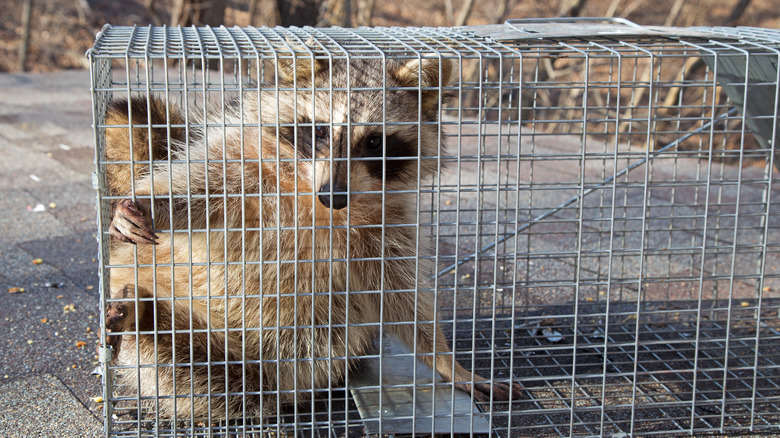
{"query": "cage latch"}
pixel 105 354
pixel 97 181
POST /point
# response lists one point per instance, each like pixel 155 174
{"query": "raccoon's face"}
pixel 364 131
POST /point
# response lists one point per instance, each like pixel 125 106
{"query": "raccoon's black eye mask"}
pixel 393 146
pixel 301 137
pixel 373 145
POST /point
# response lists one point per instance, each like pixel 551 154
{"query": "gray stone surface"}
pixel 47 158
pixel 42 406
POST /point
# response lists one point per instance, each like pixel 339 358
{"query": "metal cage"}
pixel 600 206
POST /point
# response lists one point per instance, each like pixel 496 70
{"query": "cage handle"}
pixel 616 20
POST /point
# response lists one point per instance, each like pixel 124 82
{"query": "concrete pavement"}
pixel 48 334
pixel 48 249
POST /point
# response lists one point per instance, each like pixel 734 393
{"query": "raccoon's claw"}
pixel 499 391
pixel 130 225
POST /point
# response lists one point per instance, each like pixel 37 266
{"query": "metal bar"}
pixel 568 20
pixel 574 199
pixel 613 315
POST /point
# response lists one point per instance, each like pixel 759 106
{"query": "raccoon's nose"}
pixel 335 201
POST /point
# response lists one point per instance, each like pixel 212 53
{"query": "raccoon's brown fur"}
pixel 274 289
pixel 154 131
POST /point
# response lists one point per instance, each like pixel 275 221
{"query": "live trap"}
pixel 598 197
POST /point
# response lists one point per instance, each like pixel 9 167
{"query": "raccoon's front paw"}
pixel 130 225
pixel 483 392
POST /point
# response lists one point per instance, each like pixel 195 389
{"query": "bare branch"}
pixel 504 8
pixel 26 15
pixel 465 12
pixel 198 12
pixel 365 12
pixel 149 4
pixel 448 9
pixel 83 9
pixel 298 12
pixel 737 12
pixel 252 11
pixel 572 8
pixel 674 12
pixel 632 7
pixel 612 8
pixel 339 13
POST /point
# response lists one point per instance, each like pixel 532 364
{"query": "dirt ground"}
pixel 62 30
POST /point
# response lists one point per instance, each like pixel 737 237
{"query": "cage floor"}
pixel 584 385
pixel 733 373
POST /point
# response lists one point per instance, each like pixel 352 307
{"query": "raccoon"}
pixel 273 292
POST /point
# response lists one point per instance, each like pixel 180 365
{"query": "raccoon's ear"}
pixel 426 73
pixel 303 67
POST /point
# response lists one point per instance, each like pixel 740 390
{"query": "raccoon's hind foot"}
pixel 116 321
pixel 483 392
pixel 130 225
pixel 121 315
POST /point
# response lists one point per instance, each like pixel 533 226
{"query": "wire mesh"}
pixel 599 200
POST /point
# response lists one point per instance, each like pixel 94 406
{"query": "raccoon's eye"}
pixel 374 144
pixel 321 131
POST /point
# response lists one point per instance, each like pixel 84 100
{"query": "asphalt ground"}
pixel 48 328
pixel 49 324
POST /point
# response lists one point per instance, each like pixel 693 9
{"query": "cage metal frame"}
pixel 515 109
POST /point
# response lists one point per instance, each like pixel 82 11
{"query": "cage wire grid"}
pixel 603 222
